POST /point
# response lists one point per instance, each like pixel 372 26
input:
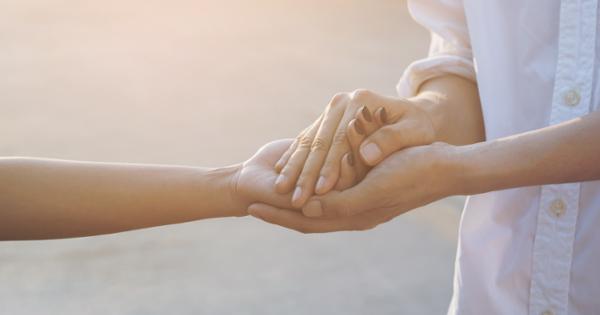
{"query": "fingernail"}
pixel 279 180
pixel 371 152
pixel 278 167
pixel 358 127
pixel 297 194
pixel 321 183
pixel 350 158
pixel 366 113
pixel 383 115
pixel 313 209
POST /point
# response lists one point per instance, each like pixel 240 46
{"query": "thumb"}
pixel 335 204
pixel 383 142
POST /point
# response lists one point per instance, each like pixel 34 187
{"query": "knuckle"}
pixel 340 137
pixel 319 145
pixel 338 98
pixel 403 103
pixel 361 94
pixel 305 143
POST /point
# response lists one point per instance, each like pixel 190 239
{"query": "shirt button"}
pixel 547 312
pixel 572 97
pixel 557 208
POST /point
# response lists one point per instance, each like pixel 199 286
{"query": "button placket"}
pixel 557 217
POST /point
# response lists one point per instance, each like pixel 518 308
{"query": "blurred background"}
pixel 207 82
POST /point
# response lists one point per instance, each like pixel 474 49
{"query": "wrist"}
pixel 453 105
pixel 226 201
pixel 448 170
pixel 477 169
pixel 432 104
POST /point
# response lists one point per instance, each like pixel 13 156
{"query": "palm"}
pixel 256 178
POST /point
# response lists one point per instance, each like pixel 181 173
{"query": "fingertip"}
pixel 278 166
pixel 370 152
pixel 280 184
pixel 283 184
pixel 381 116
pixel 368 125
pixel 349 159
pixel 357 126
pixel 325 184
pixel 354 138
pixel 299 197
pixel 347 174
pixel 325 207
pixel 297 194
pixel 320 184
pixel 366 114
pixel 377 115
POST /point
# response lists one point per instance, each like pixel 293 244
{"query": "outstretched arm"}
pixel 562 153
pixel 42 198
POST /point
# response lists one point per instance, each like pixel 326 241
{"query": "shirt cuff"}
pixel 435 66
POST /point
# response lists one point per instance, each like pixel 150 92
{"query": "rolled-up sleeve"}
pixel 450 50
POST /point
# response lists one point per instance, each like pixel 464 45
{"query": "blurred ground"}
pixel 207 83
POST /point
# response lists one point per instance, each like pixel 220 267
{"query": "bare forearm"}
pixel 454 107
pixel 568 152
pixel 54 199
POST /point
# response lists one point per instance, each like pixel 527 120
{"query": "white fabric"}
pixel 533 250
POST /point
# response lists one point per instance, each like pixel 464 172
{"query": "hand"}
pixel 254 181
pixel 405 180
pixel 300 164
pixel 408 125
pixel 317 151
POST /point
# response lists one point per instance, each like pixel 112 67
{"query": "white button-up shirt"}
pixel 531 250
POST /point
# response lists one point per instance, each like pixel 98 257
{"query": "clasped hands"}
pixel 367 159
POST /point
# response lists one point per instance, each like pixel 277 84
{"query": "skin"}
pixel 416 176
pixel 46 199
pixel 358 130
pixel 373 201
pixel 311 164
pixel 446 109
